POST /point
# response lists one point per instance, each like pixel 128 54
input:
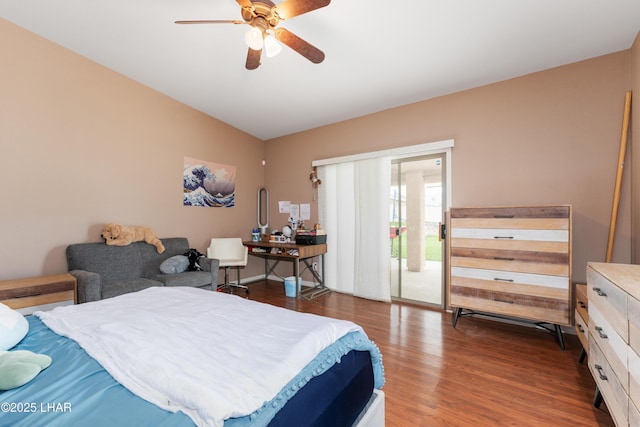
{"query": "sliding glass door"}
pixel 416 212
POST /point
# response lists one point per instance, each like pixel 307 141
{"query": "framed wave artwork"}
pixel 208 184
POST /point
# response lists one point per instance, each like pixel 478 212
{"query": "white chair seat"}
pixel 231 253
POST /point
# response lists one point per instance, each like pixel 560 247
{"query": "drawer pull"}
pixel 498 279
pixel 503 237
pixel 601 374
pixel 602 334
pixel 499 258
pixel 503 216
pixel 599 292
pixel 502 300
pixel 28 295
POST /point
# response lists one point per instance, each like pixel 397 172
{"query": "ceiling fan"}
pixel 264 16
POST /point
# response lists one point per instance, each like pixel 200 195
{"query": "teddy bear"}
pixel 120 235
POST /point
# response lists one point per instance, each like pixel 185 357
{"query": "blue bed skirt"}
pixel 76 391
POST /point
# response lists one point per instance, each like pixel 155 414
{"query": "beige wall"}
pixel 635 147
pixel 547 138
pixel 82 146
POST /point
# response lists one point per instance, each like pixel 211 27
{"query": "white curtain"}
pixel 353 202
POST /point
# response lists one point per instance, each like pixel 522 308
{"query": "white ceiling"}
pixel 379 54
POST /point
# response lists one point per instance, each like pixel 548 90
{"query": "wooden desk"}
pixel 295 253
pixel 28 295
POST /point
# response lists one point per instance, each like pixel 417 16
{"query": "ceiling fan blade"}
pixel 245 3
pixel 253 59
pixel 290 8
pixel 212 21
pixel 304 48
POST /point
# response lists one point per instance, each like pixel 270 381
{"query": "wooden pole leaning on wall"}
pixel 616 193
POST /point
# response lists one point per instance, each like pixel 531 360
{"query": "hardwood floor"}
pixel 482 373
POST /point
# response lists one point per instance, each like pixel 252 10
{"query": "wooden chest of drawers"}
pixel 35 293
pixel 511 261
pixel 614 337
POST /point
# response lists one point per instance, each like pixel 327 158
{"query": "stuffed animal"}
pixel 193 256
pixel 20 366
pixel 119 235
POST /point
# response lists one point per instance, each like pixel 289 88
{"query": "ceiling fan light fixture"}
pixel 271 46
pixel 254 39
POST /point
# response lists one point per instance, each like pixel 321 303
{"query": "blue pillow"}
pixel 174 264
pixel 13 327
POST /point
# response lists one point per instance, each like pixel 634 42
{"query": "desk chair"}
pixel 231 253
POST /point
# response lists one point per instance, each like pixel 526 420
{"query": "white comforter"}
pixel 208 354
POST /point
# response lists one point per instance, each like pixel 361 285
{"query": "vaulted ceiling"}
pixel 378 54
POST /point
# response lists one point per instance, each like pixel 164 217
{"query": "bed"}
pixel 186 356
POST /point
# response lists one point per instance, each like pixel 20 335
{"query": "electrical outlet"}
pixel 314 266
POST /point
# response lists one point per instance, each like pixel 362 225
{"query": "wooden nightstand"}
pixel 38 293
pixel 582 318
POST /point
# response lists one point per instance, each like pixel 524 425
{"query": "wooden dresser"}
pixel 38 293
pixel 512 261
pixel 614 338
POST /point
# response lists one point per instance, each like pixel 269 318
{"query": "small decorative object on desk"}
pixel 255 235
pixel 277 237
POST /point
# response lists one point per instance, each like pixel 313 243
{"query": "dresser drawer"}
pixel 508 234
pixel 508 244
pixel 634 415
pixel 633 308
pixel 610 300
pixel 515 261
pixel 612 345
pixel 540 303
pixel 612 391
pixel 634 380
pixel 510 277
pixel 37 300
pixel 582 330
pixel 513 212
pixel 582 302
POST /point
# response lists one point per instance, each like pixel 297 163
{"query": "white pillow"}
pixel 13 327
